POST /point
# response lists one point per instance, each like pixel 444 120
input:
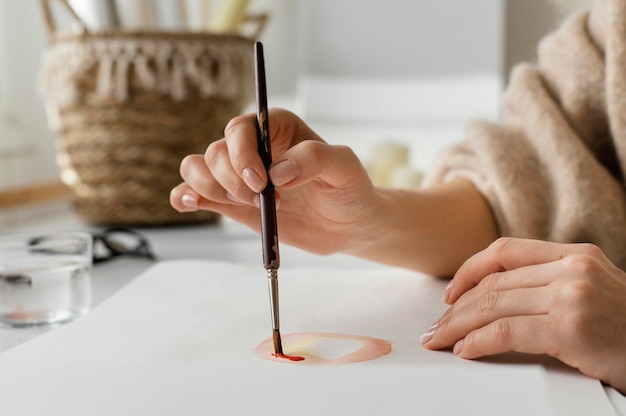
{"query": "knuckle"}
pixel 347 155
pixel 491 282
pixel 502 244
pixel 488 302
pixel 346 151
pixel 577 291
pixel 235 122
pixel 501 332
pixel 214 150
pixel 591 250
pixel 581 265
pixel 311 146
pixel 313 150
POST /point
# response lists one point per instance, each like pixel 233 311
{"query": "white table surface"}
pixel 225 240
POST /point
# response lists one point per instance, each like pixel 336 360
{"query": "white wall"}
pixel 26 143
pixel 401 38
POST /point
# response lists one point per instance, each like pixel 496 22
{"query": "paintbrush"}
pixel 267 197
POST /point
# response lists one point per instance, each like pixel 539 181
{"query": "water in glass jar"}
pixel 47 292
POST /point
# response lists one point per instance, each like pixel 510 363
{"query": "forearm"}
pixel 434 230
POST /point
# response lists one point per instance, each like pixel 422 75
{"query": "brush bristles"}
pixel 278 345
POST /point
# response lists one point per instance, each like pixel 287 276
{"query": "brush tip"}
pixel 278 345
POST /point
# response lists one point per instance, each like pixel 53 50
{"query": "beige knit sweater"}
pixel 553 167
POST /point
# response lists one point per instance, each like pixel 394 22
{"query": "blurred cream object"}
pixel 228 16
pixel 97 14
pixel 136 14
pixel 568 6
pixel 405 177
pixel 385 158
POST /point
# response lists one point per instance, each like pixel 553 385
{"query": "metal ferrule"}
pixel 272 280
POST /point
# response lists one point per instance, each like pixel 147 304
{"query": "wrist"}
pixel 433 230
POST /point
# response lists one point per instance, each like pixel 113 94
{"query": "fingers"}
pixel 531 309
pixel 499 298
pixel 218 180
pixel 524 334
pixel 300 156
pixel 336 166
pixel 508 254
pixel 240 151
pixel 184 199
pixel 474 312
pixel 231 171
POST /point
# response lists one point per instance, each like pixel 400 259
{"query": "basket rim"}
pixel 110 34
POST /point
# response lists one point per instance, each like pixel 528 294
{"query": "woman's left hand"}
pixel 537 297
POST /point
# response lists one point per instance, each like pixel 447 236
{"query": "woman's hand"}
pixel 324 193
pixel 564 300
pixel 327 203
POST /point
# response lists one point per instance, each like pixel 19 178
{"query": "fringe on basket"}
pixel 170 67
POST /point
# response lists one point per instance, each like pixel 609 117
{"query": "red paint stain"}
pixel 288 357
pixel 371 349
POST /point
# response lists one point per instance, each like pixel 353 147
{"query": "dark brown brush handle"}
pixel 269 229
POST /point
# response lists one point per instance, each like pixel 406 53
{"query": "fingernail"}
pixel 428 335
pixel 190 201
pixel 458 347
pixel 253 180
pixel 277 198
pixel 233 198
pixel 283 172
pixel 256 200
pixel 446 292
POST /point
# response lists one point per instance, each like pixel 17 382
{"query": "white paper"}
pixel 181 339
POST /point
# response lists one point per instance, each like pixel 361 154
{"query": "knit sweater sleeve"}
pixel 552 167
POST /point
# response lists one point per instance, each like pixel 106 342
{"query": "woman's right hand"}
pixel 324 194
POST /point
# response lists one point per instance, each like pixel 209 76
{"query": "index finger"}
pixel 240 136
pixel 241 140
pixel 509 253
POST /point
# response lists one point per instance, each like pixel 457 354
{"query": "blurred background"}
pixel 406 65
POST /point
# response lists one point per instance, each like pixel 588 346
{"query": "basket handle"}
pixel 259 21
pixel 49 19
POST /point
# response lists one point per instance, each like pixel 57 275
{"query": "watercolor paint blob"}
pixel 318 348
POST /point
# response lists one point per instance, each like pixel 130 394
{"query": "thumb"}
pixel 338 166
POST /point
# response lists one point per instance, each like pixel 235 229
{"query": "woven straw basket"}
pixel 128 106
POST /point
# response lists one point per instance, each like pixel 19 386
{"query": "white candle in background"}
pixel 136 14
pixel 385 158
pixel 171 14
pixel 96 14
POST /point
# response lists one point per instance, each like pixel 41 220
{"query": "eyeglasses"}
pixel 107 245
pixel 119 241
